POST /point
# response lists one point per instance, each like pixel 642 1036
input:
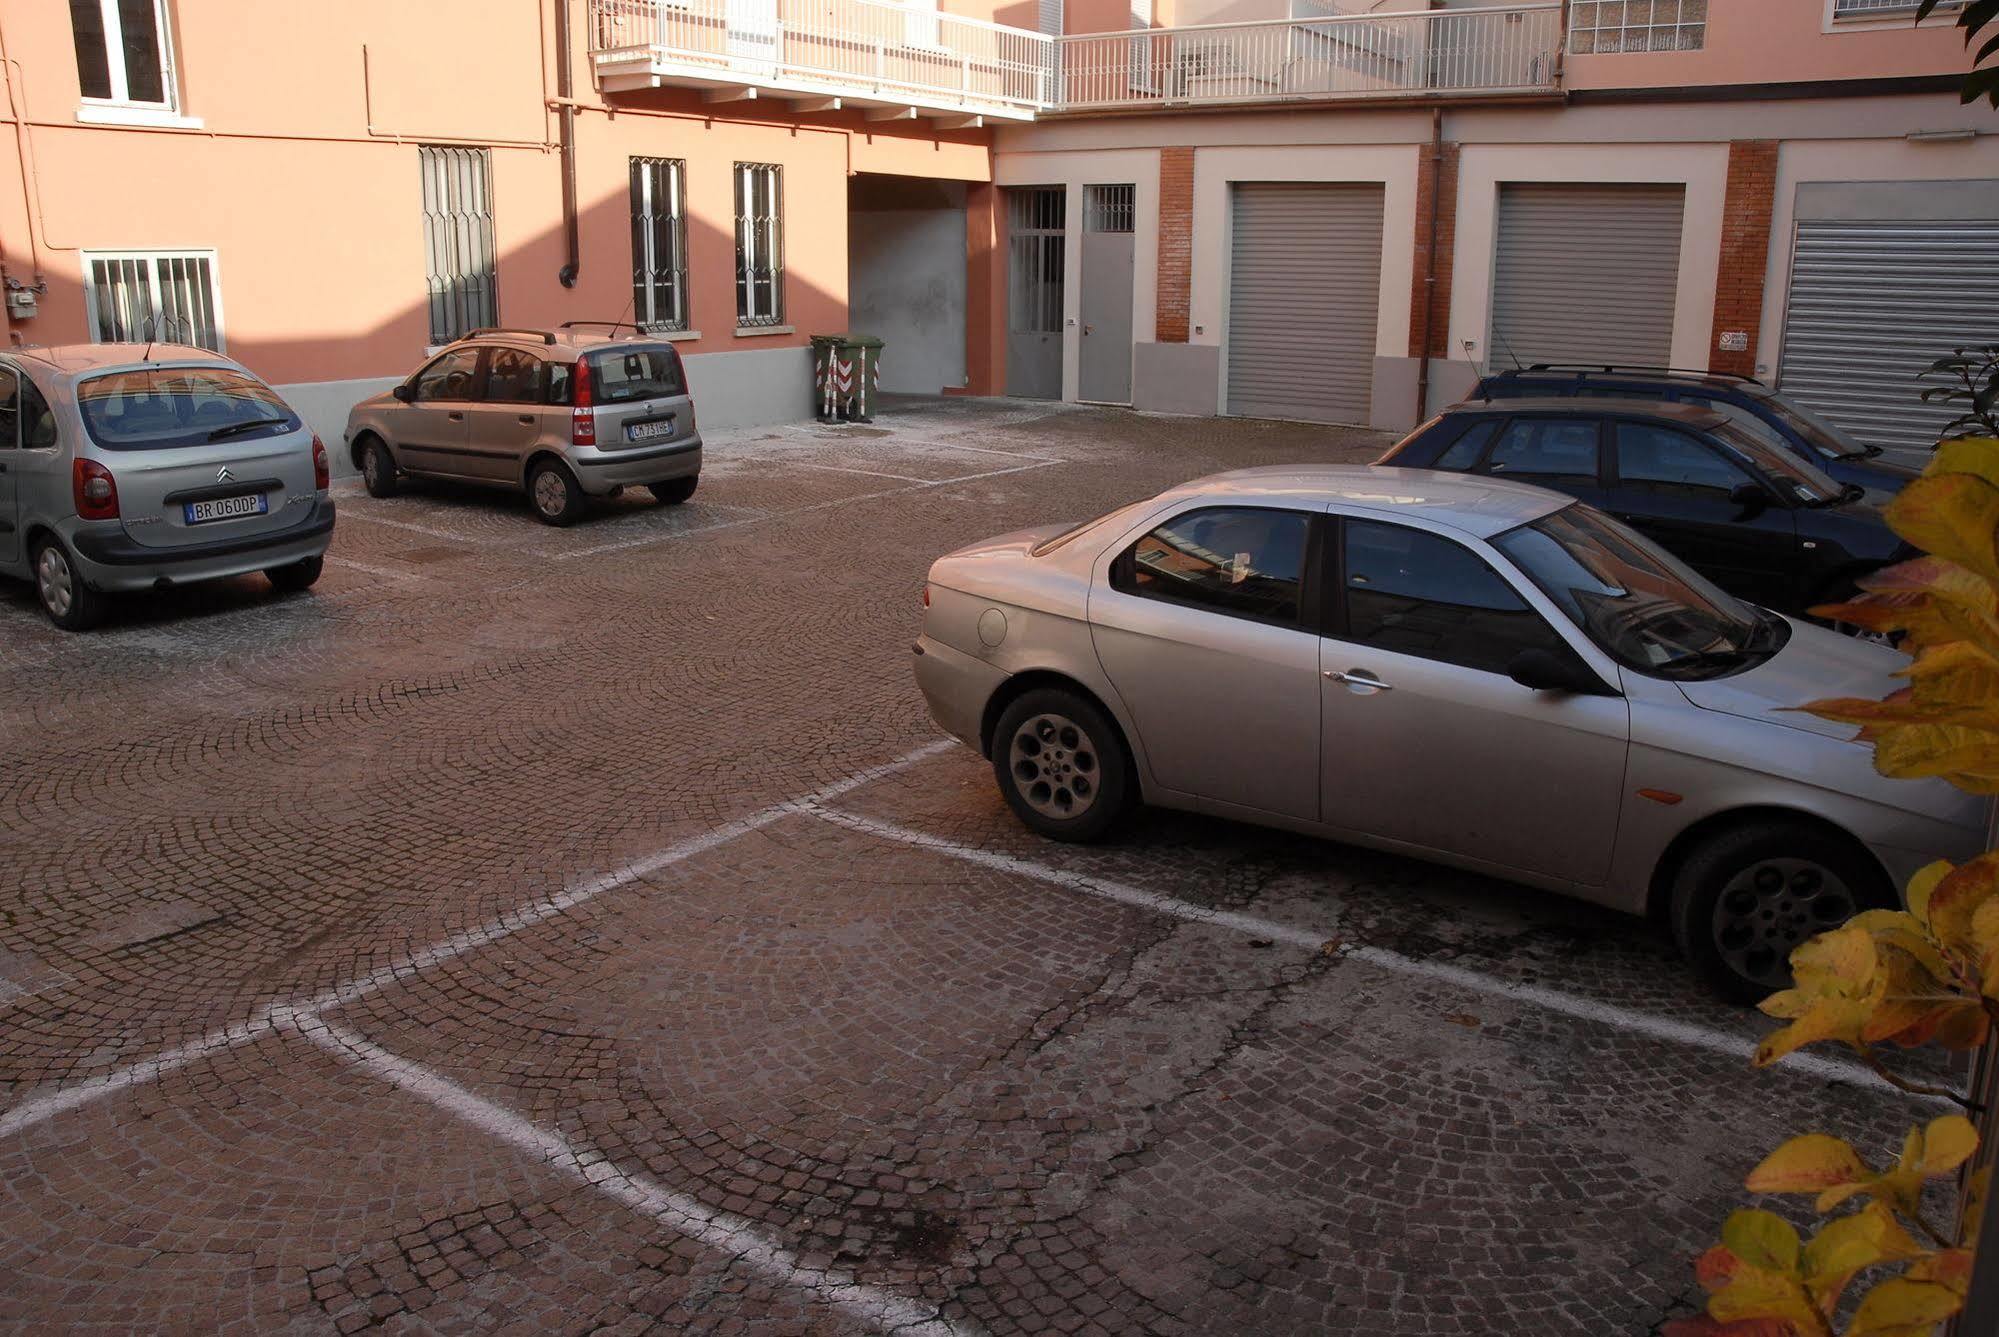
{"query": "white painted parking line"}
pixel 347 563
pixel 725 1232
pixel 38 1109
pixel 843 469
pixel 1585 1009
pixel 368 517
pixel 647 540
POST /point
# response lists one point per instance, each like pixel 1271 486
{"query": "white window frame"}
pixel 120 108
pixel 152 259
pixel 646 201
pixel 1847 15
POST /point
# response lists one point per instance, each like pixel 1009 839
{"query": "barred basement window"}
pixel 458 241
pixel 1604 26
pixel 137 297
pixel 1108 208
pixel 659 243
pixel 759 244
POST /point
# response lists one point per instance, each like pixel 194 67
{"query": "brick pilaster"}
pixel 1438 181
pixel 1176 243
pixel 1745 252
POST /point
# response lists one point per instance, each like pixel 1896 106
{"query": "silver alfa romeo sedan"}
pixel 1470 670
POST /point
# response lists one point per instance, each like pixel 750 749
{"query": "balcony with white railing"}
pixel 905 60
pixel 1423 54
pixel 862 53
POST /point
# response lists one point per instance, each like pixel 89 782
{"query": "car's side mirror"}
pixel 405 392
pixel 1750 497
pixel 1543 671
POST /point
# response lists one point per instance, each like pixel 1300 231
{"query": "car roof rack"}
pixel 612 325
pixel 542 335
pixel 1617 369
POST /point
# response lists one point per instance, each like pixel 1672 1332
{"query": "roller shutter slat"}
pixel 1304 292
pixel 1586 273
pixel 1872 304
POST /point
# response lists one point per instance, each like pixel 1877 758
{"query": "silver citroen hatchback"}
pixel 563 415
pixel 129 467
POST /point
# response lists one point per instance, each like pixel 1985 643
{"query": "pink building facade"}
pixel 1332 211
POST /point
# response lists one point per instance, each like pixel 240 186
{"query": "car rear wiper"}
pixel 235 427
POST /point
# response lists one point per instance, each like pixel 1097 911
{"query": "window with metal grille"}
pixel 1035 253
pixel 458 241
pixel 1883 9
pixel 1108 208
pixel 759 244
pixel 1604 26
pixel 124 54
pixel 140 296
pixel 659 243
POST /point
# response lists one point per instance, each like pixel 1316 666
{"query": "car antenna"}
pixel 1484 387
pixel 1511 356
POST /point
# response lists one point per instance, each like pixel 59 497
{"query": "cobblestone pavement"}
pixel 576 930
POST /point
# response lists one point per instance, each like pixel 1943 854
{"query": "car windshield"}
pixel 160 408
pixel 1828 440
pixel 1642 607
pixel 620 375
pixel 1806 482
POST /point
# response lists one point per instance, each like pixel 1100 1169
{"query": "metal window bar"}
pixel 759 244
pixel 458 241
pixel 169 297
pixel 1607 26
pixel 659 243
pixel 1036 253
pixel 1109 208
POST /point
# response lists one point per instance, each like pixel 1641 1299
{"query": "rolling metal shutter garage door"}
pixel 1872 304
pixel 1304 291
pixel 1586 273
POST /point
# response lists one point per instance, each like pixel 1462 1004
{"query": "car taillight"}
pixel 582 417
pixel 94 490
pixel 322 472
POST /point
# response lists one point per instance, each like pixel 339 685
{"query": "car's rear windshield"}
pixel 162 408
pixel 620 375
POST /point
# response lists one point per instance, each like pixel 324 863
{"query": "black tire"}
pixel 59 588
pixel 378 469
pixel 1749 895
pixel 297 576
pixel 674 490
pixel 1061 765
pixel 554 495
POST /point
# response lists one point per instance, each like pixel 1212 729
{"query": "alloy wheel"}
pixel 1055 766
pixel 54 581
pixel 1769 908
pixel 550 496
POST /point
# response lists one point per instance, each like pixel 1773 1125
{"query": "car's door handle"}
pixel 529 419
pixel 454 417
pixel 1357 678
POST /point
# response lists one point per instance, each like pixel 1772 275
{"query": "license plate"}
pixel 649 431
pixel 226 508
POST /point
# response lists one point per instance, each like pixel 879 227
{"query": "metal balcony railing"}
pixel 894 54
pixel 1508 48
pixel 874 49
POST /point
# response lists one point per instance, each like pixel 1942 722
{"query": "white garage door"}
pixel 1872 304
pixel 1304 294
pixel 1586 274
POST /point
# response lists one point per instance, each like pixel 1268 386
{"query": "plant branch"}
pixel 1915 1088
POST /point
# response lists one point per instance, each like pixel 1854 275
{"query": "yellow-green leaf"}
pixel 1836 989
pixel 1755 1292
pixel 1852 1244
pixel 1761 1239
pixel 1809 1163
pixel 1899 1307
pixel 1953 515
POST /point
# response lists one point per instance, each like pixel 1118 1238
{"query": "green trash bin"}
pixel 846 376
